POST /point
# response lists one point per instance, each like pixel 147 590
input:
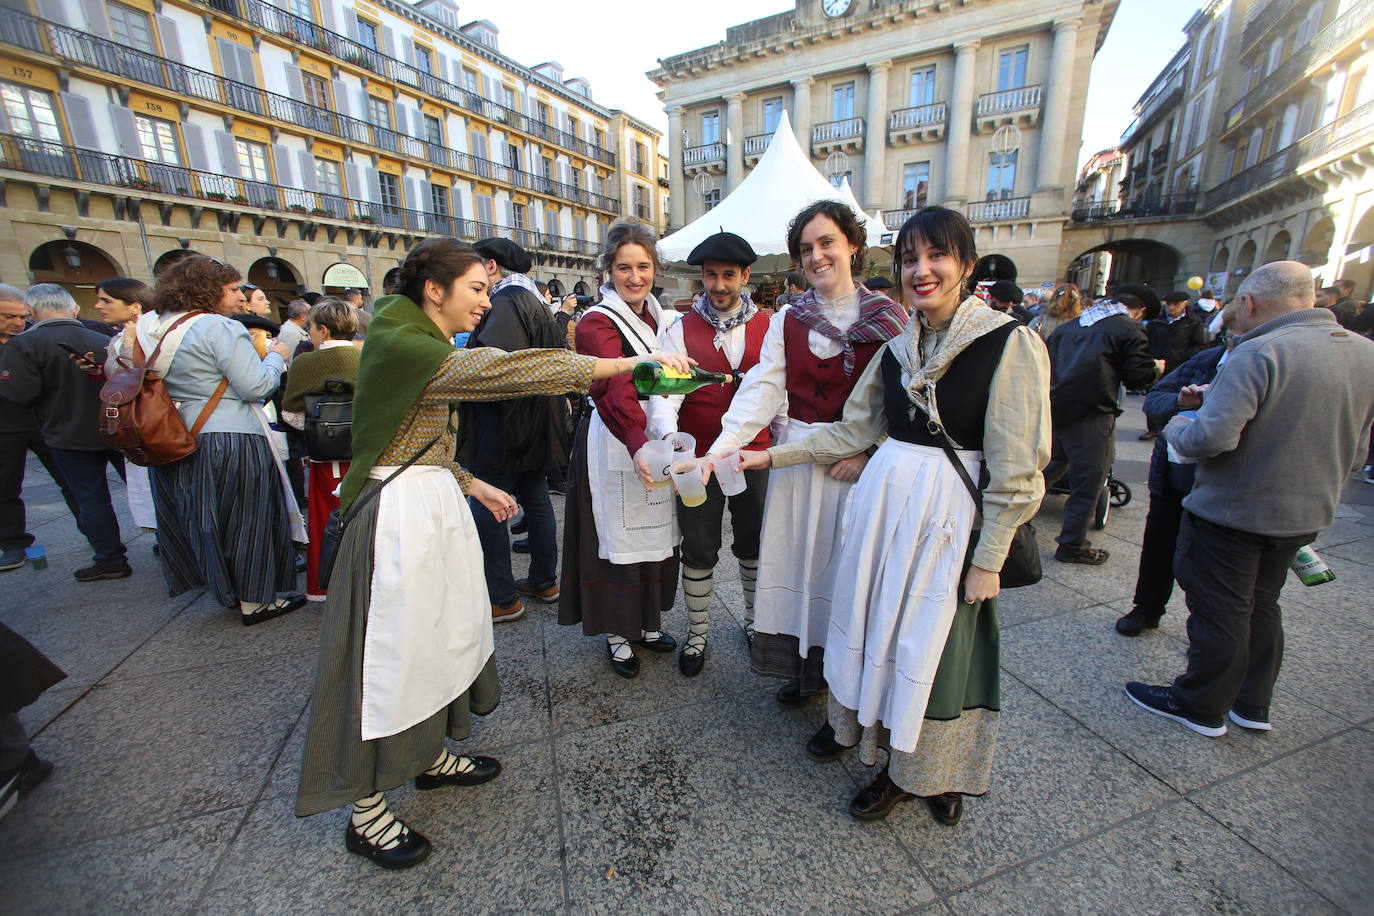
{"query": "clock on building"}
pixel 836 8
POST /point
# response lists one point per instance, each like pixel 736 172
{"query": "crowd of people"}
pixel 879 442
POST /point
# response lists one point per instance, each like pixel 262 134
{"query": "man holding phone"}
pixel 37 371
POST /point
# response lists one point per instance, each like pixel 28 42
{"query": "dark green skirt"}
pixel 339 767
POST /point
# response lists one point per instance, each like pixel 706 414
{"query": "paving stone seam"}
pixel 1354 727
pixel 552 739
pixel 101 680
pixel 142 827
pixel 251 807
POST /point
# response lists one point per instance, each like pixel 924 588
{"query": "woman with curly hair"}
pixel 223 515
pixel 1066 304
pixel 813 354
pixel 406 642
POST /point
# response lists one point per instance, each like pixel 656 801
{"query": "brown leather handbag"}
pixel 139 418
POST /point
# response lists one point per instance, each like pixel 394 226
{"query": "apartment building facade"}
pixel 1252 145
pixel 311 143
pixel 976 105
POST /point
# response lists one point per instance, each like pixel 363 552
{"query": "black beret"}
pixel 1006 291
pixel 507 254
pixel 1177 295
pixel 723 246
pixel 1144 294
pixel 879 283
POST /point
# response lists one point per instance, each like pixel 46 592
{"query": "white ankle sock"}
pixel 620 648
pixel 696 589
pixel 375 822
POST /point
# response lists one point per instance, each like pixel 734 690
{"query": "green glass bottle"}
pixel 1311 569
pixel 656 378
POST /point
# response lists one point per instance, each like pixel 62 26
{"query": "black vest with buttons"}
pixel 962 394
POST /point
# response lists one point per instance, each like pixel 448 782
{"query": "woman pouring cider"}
pixel 406 641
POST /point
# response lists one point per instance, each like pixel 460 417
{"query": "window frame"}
pixel 26 96
pixel 312 87
pixel 252 154
pixel 1008 77
pixel 424 64
pixel 389 185
pixel 120 15
pixel 372 37
pixel 329 179
pixel 159 130
pixel 711 118
pixel 772 106
pixel 842 100
pixel 915 184
pixel 927 74
pixel 999 164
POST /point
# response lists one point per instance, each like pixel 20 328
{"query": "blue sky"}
pixel 614 42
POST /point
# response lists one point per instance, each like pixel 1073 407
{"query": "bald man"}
pixel 1275 439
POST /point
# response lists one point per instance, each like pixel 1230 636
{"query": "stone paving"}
pixel 178 733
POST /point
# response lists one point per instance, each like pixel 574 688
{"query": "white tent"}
pixel 878 233
pixel 782 183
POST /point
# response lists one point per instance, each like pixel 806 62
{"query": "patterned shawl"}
pixel 747 309
pixel 971 321
pixel 879 319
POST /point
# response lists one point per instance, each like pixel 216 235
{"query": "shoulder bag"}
pixel 334 528
pixel 329 421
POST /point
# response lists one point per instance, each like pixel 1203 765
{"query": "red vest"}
pixel 703 409
pixel 817 388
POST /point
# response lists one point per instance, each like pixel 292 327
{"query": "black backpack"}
pixel 329 422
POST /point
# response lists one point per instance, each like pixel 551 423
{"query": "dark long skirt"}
pixel 605 597
pixel 339 767
pixel 779 655
pixel 222 522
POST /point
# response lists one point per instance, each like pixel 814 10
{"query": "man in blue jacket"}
pixel 1276 437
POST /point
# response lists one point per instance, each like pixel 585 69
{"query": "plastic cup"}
pixel 683 443
pixel 37 556
pixel 687 479
pixel 729 473
pixel 659 454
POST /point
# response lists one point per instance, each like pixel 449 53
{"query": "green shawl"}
pixel 403 351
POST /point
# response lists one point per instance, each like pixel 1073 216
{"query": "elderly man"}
pixel 1274 440
pixel 514 444
pixel 292 331
pixel 37 372
pixel 19 435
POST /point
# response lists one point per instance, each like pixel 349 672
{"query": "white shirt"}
pixel 762 394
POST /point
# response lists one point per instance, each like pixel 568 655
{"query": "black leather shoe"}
pixel 411 851
pixel 628 668
pixel 484 769
pixel 790 695
pixel 691 665
pixel 947 808
pixel 274 610
pixel 823 747
pixel 660 643
pixel 1137 621
pixel 1088 556
pixel 876 799
pixel 521 546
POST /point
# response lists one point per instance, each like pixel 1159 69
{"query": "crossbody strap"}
pixel 371 494
pixel 141 363
pixel 948 445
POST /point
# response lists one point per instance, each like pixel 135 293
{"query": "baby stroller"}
pixel 1114 493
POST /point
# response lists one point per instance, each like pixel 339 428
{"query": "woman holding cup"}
pixel 620 547
pixel 812 355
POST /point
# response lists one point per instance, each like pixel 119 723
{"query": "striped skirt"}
pixel 222 523
pixel 339 766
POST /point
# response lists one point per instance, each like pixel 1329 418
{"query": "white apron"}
pixel 800 547
pixel 429 622
pixel 293 513
pixel 906 529
pixel 139 490
pixel 632 525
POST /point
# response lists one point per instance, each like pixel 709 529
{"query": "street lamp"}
pixel 72 257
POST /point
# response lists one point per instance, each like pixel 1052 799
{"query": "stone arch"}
pixel 1112 263
pixel 390 280
pixel 1279 247
pixel 1358 258
pixel 278 279
pixel 1243 264
pixel 168 258
pixel 1316 244
pixel 75 266
pixel 1220 259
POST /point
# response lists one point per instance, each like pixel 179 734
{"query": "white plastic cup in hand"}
pixel 659 455
pixel 687 479
pixel 728 471
pixel 683 444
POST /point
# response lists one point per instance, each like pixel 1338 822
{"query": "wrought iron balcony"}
pixel 1159 157
pixel 1174 205
pixel 996 211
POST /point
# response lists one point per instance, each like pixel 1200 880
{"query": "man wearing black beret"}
pixel 723 332
pixel 1006 296
pixel 513 444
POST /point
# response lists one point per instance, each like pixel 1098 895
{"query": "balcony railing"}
pixel 1159 157
pixel 920 116
pixel 55 160
pixel 1008 100
pixel 1271 14
pixel 893 219
pixel 831 131
pixel 1154 109
pixel 1174 205
pixel 994 211
pixel 289 25
pixel 757 144
pixel 700 155
pixel 73 47
pixel 1353 130
pixel 1346 26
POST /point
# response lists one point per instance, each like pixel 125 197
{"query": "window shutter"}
pixel 294 81
pixel 307 163
pixel 456 200
pixel 510 214
pixel 247 72
pixel 355 181
pixel 341 97
pixel 327 16
pixel 170 37
pixel 414 201
pixel 228 59
pixel 389 41
pixel 79 122
pixel 407 49
pixel 228 153
pixel 374 185
pixel 195 147
pixel 125 132
pixel 281 158
pixel 350 21
pixel 97 21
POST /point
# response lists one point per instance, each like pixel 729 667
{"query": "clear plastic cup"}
pixel 729 473
pixel 687 480
pixel 683 443
pixel 659 454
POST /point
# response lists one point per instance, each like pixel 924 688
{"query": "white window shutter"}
pixel 228 153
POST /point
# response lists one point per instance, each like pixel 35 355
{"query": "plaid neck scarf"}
pixel 879 319
pixel 747 309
